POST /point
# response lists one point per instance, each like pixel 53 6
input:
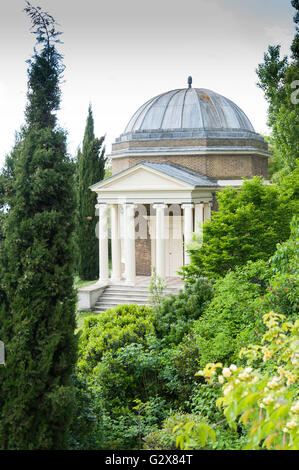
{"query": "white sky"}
pixel 120 53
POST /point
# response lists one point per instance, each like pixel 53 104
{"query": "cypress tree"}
pixel 37 318
pixel 91 169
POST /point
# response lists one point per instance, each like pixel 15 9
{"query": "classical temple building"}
pixel 177 151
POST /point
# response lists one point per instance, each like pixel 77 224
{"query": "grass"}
pixel 80 317
pixel 79 283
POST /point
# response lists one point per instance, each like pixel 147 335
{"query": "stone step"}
pixel 123 293
pixel 113 287
pixel 115 295
pixel 126 292
pixel 123 300
pixel 125 296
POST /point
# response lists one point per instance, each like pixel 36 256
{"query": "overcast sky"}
pixel 120 53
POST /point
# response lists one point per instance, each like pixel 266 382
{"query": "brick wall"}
pixel 218 166
pixel 190 143
pixel 143 257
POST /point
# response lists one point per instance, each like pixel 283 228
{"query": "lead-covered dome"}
pixel 189 108
pixel 195 128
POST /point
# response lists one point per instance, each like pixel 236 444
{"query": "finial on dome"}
pixel 189 81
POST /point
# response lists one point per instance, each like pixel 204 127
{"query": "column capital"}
pixel 101 204
pixel 130 208
pixel 187 205
pixel 100 200
pixel 159 205
pixel 103 208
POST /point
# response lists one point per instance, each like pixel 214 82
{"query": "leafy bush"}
pixel 123 362
pixel 265 403
pixel 127 430
pixel 86 432
pixel 229 320
pixel 283 292
pixel 250 222
pixel 176 314
pixel 166 437
pixel 112 330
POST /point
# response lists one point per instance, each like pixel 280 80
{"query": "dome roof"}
pixel 189 108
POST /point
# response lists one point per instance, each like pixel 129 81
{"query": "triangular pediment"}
pixel 141 178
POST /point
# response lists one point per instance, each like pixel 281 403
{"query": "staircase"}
pixel 116 295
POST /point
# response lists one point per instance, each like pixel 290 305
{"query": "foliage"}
pixel 37 316
pixel 266 404
pixel 248 225
pixel 277 77
pixel 166 437
pixel 156 289
pixel 184 360
pixel 91 169
pixel 122 361
pixel 229 320
pixel 283 291
pixel 112 330
pixel 45 71
pixel 86 432
pixel 203 401
pixel 127 430
pixel 177 313
pixel 141 379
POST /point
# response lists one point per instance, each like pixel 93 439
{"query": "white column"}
pixel 130 256
pixel 160 239
pixel 103 243
pixel 188 228
pixel 115 243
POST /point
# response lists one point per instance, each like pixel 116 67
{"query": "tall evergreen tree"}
pixel 37 319
pixel 277 78
pixel 91 169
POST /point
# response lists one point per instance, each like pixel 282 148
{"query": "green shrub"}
pixel 250 222
pixel 283 292
pixel 128 430
pixel 176 314
pixel 123 363
pixel 112 330
pixel 165 438
pixel 86 432
pixel 266 404
pixel 229 320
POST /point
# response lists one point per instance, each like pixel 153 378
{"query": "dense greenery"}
pixel 91 169
pixel 264 401
pixel 227 322
pixel 37 315
pixel 278 78
pixel 140 363
pixel 119 357
pixel 248 225
pixel 176 314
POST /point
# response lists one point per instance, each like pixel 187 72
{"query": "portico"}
pixel 153 210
